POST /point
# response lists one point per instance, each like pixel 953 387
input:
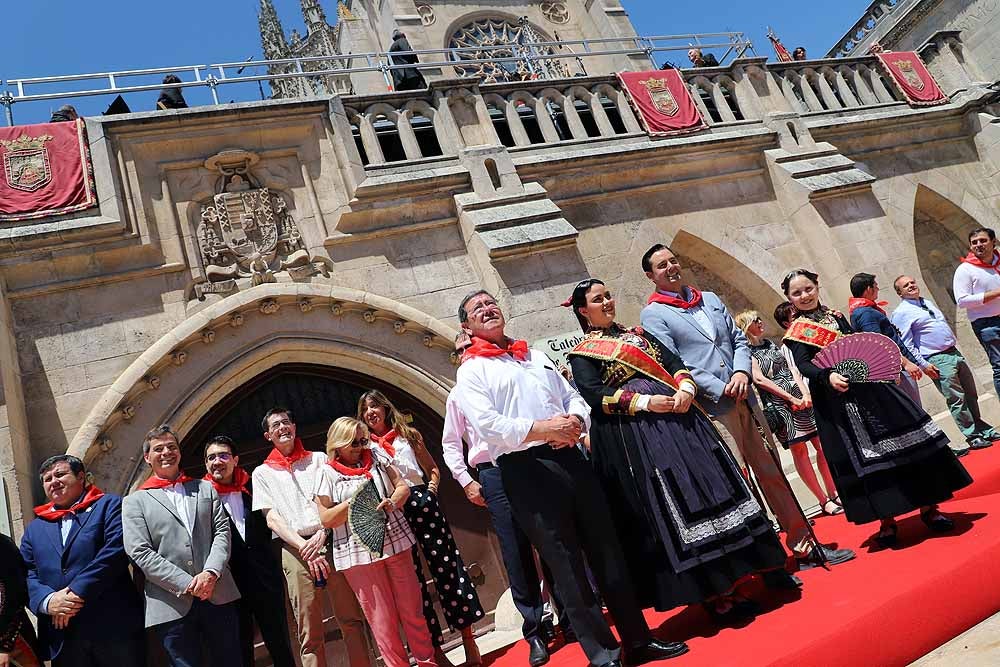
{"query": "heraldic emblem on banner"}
pixel 907 71
pixel 661 96
pixel 26 162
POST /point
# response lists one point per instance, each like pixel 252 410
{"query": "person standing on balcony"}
pixel 171 98
pixel 63 114
pixel 799 53
pixel 404 78
pixel 699 59
pixel 977 289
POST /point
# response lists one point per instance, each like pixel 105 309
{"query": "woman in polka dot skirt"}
pixel 459 599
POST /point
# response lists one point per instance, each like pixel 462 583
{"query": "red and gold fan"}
pixel 862 357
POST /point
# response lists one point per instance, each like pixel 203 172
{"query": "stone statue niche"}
pixel 246 235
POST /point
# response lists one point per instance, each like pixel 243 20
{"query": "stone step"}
pixel 470 201
pixel 528 238
pixel 836 183
pixel 510 215
pixel 814 166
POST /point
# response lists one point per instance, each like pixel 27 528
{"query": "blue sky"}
pixel 57 37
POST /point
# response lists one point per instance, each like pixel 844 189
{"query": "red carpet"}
pixel 887 607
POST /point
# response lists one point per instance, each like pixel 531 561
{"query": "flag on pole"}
pixel 779 49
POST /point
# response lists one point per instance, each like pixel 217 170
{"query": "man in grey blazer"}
pixel 177 532
pixel 698 327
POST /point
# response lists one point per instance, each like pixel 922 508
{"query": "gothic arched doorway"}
pixel 318 394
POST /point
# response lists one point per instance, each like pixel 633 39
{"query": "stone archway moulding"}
pixel 213 352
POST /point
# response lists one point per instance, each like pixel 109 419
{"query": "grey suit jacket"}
pixel 158 543
pixel 712 360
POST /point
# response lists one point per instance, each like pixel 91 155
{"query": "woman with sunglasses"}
pixel 386 585
pixel 887 455
pixel 691 529
pixel 404 445
pixel 787 406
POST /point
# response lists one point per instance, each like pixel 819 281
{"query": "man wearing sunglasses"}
pixel 255 569
pixel 923 328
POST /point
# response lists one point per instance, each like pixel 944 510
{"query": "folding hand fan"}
pixel 862 357
pixel 366 521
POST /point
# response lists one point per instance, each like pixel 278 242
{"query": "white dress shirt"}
pixel 923 327
pixel 237 511
pixel 177 495
pixel 404 459
pixel 290 493
pixel 703 319
pixel 970 284
pixel 502 398
pixel 455 429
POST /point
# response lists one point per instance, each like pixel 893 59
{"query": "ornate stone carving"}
pixel 399 326
pixel 427 340
pixel 269 306
pixel 236 320
pixel 453 358
pixel 337 308
pixel 152 382
pixel 306 305
pixel 246 232
pixel 178 357
pixel 426 13
pixel 207 336
pixel 128 412
pixel 369 316
pixel 555 12
pixel 105 444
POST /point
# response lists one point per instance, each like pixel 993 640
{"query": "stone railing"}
pixel 876 14
pixel 833 84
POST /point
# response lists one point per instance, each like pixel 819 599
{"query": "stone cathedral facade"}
pixel 299 250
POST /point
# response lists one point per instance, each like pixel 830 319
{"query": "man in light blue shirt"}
pixel 923 327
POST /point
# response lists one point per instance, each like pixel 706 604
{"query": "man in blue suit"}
pixel 89 612
pixel 698 327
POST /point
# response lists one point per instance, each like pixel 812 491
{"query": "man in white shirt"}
pixel 177 533
pixel 923 328
pixel 253 562
pixel 977 290
pixel 283 490
pixel 515 547
pixel 531 420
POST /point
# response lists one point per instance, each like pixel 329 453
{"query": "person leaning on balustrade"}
pixel 887 455
pixel 89 612
pixel 787 406
pixel 385 583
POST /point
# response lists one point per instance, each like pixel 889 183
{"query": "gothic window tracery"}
pixel 496 50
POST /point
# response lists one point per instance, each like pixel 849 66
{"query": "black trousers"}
pixel 268 610
pixel 102 652
pixel 518 556
pixel 558 501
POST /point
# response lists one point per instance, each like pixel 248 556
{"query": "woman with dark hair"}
pixel 887 455
pixel 171 98
pixel 691 529
pixel 391 433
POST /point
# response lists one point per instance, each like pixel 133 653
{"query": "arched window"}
pixel 495 49
pixel 388 138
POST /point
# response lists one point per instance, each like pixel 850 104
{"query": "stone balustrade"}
pixel 860 33
pixel 833 84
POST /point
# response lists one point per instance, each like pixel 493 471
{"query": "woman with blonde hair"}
pixel 787 406
pixel 394 436
pixel 386 585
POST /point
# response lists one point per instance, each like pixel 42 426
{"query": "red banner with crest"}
pixel 912 77
pixel 662 101
pixel 46 170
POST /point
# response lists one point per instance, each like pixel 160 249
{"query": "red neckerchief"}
pixel 155 482
pixel 278 460
pixel 239 484
pixel 483 348
pixel 856 302
pixel 50 512
pixel 385 442
pixel 677 302
pixel 975 261
pixel 366 465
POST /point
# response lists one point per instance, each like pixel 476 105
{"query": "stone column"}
pixel 15 449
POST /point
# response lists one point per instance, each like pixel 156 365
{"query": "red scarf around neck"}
pixel 677 302
pixel 975 261
pixel 385 442
pixel 483 348
pixel 50 512
pixel 278 460
pixel 856 302
pixel 155 482
pixel 366 465
pixel 238 485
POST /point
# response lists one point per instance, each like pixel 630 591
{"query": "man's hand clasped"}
pixel 563 430
pixel 738 386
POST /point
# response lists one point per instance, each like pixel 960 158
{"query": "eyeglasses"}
pixel 757 320
pixel 276 425
pixel 219 456
pixel 359 442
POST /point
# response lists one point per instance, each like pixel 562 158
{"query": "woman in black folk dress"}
pixel 690 527
pixel 887 455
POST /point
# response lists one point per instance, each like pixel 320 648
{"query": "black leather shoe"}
pixel 655 650
pixel 539 654
pixel 781 580
pixel 547 631
pixel 980 443
pixel 937 522
pixel 959 453
pixel 819 553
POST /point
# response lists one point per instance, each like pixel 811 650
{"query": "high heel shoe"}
pixel 887 537
pixel 936 521
pixel 831 508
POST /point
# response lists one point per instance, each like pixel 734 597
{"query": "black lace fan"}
pixel 367 522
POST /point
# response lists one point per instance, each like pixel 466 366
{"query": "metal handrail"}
pixel 215 75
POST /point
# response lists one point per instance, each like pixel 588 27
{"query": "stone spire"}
pixel 272 35
pixel 313 14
